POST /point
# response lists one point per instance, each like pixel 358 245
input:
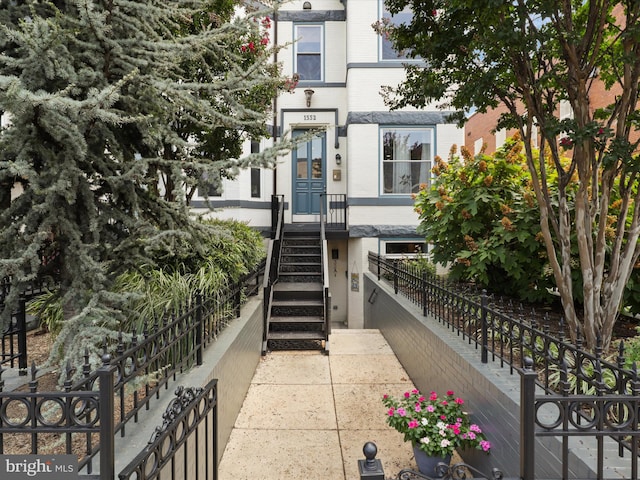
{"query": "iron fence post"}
pixel 424 294
pixel 527 420
pixel 107 427
pixel 199 329
pixel 395 276
pixel 485 330
pixel 22 336
pixel 237 298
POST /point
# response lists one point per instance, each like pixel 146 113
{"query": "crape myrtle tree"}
pixel 531 56
pixel 117 109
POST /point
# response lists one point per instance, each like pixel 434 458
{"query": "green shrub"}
pixel 481 217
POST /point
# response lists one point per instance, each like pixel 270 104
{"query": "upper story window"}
pixel 387 50
pixel 308 52
pixel 406 159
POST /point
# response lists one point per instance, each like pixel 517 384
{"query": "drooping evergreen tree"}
pixel 116 107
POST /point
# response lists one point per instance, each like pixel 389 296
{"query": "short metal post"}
pixel 527 420
pixel 370 468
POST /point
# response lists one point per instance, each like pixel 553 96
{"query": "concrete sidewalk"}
pixel 307 415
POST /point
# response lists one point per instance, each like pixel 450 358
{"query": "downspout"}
pixel 275 98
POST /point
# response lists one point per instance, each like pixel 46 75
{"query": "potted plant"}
pixel 435 426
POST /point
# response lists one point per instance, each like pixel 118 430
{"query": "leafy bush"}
pixel 481 216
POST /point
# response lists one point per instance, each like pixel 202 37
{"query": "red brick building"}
pixel 481 127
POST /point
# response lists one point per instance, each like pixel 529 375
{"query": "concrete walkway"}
pixel 307 415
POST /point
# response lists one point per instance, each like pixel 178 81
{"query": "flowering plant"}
pixel 437 426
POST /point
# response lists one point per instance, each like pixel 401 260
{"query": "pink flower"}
pixel 264 40
pixel 485 445
pixel 444 402
pixel 434 396
pixel 402 412
pixel 407 394
pixel 450 393
pixel 413 424
pixel 391 411
pixel 421 399
pixel 418 408
pixel 443 417
pixel 385 396
pixel 475 428
pixel 459 401
pixel 415 391
pixel 471 436
pixel 430 408
pixel 566 142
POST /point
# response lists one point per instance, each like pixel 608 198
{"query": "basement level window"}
pixel 404 248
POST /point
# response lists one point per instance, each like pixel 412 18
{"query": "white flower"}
pixel 425 440
pixel 424 421
pixel 441 425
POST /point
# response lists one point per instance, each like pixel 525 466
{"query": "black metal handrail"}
pixel 326 295
pixel 272 266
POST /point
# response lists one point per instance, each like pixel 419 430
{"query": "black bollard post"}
pixel 371 468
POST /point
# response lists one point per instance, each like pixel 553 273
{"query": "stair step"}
pixel 296 319
pixel 298 287
pixel 296 336
pixel 300 257
pixel 306 302
pixel 300 277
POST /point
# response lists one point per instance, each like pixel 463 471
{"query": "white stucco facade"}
pixel 375 158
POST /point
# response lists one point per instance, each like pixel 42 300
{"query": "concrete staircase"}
pixel 296 320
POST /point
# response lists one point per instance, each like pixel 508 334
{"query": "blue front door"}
pixel 308 174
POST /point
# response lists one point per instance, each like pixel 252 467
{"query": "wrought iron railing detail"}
pixel 96 406
pixel 588 395
pixel 183 416
pixel 334 215
pixel 506 333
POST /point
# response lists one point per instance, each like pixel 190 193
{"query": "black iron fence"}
pixel 585 394
pixel 84 418
pixel 334 213
pixel 185 438
pixel 14 335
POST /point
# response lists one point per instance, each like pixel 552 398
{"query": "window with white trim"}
pixel 406 159
pixel 308 49
pixel 387 52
